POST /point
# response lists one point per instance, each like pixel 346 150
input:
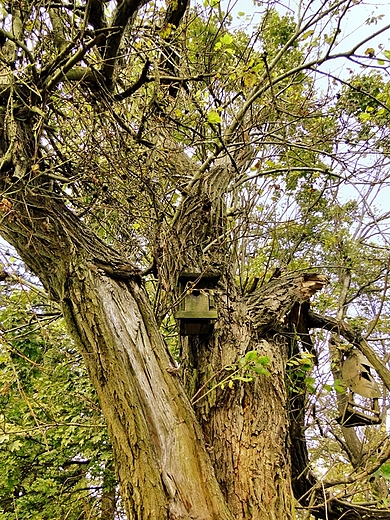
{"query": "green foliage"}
pixel 338 386
pixel 245 370
pixel 54 449
pixel 367 97
pixel 113 160
pixel 299 368
pixel 384 471
pixel 278 30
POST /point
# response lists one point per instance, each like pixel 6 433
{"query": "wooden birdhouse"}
pixel 197 312
pixel 357 376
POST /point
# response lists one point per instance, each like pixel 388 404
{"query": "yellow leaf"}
pixel 213 117
pixel 307 34
pixel 250 79
pixel 165 32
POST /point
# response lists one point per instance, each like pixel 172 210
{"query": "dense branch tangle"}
pixel 128 130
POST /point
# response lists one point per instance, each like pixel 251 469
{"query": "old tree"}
pixel 142 141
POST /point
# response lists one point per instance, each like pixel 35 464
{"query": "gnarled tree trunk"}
pixel 228 453
pixel 162 465
pixel 232 459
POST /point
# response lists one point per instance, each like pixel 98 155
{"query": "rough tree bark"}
pixel 162 463
pixel 167 467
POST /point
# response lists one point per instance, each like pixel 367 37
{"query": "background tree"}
pixel 140 141
pixel 54 451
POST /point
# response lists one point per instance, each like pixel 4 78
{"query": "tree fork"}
pixel 163 467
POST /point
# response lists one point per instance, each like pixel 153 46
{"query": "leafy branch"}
pixel 245 370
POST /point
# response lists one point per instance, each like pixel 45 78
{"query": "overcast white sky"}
pixel 354 29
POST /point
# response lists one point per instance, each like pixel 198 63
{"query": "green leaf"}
pixel 387 54
pixel 250 79
pixel 213 117
pixel 260 370
pixel 307 34
pixel 252 355
pixel 211 3
pixel 264 360
pixel 165 32
pixel 15 445
pixel 4 438
pixel 226 39
pixel 364 117
pixel 385 470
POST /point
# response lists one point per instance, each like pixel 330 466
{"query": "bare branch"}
pixel 280 171
pixel 136 85
pixel 353 337
pixel 20 44
pixel 122 15
pixel 60 74
pixel 370 467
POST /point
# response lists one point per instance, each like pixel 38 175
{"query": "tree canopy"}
pixel 158 154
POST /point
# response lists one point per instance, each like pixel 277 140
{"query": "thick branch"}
pixel 122 15
pixel 137 84
pixel 61 73
pixel 58 31
pixel 175 12
pixel 269 306
pixel 96 14
pixel 153 429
